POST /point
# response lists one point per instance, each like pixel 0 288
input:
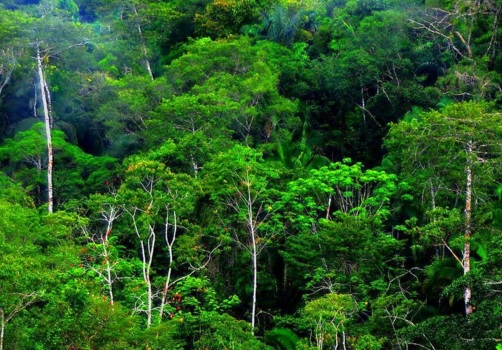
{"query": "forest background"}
pixel 250 174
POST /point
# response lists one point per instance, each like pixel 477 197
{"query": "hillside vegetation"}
pixel 250 174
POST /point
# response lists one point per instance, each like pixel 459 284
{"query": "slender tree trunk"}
pixel 255 281
pixel 147 265
pixel 195 166
pixel 49 103
pixel 7 68
pixel 26 300
pixel 35 99
pixel 109 278
pixel 106 254
pixel 2 329
pixel 254 254
pixel 143 44
pixel 47 120
pixel 467 233
pixel 169 243
pixel 147 247
pixel 363 102
pixel 328 208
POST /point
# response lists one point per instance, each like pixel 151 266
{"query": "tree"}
pixel 457 167
pixel 328 316
pixel 232 95
pixel 156 201
pixel 226 17
pixel 45 96
pixel 288 24
pixel 457 25
pixel 240 181
pixel 77 173
pixel 47 46
pixel 336 220
pixel 337 190
pixel 23 153
pixel 103 257
pixel 464 33
pixel 360 76
pixel 35 250
pixel 11 37
pixel 123 109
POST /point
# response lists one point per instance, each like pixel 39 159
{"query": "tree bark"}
pixel 49 103
pixel 254 253
pixel 142 43
pixel 467 233
pixel 2 328
pixel 169 243
pixel 47 121
pixel 7 68
pixel 147 246
pixel 106 254
pixel 147 265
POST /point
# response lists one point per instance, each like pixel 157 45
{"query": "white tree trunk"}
pixel 255 281
pixel 147 266
pixel 2 329
pixel 467 233
pixel 7 67
pixel 169 243
pixel 147 246
pixel 49 103
pixel 254 252
pixel 25 301
pixel 106 254
pixel 142 43
pixel 47 120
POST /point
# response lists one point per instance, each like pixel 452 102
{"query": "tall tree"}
pixel 224 18
pixel 76 173
pixel 451 157
pixel 334 208
pixel 13 43
pixel 240 181
pixel 45 96
pixel 234 94
pixel 47 46
pixel 157 205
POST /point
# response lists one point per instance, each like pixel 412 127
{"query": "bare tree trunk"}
pixel 170 281
pixel 169 243
pixel 195 166
pixel 254 253
pixel 110 218
pixel 47 120
pixel 255 282
pixel 147 265
pixel 107 272
pixel 328 208
pixel 147 246
pixel 25 301
pixel 467 233
pixel 2 329
pixel 363 103
pixel 248 202
pixel 7 66
pixel 143 44
pixel 49 103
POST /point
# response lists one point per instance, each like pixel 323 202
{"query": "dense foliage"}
pixel 250 174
